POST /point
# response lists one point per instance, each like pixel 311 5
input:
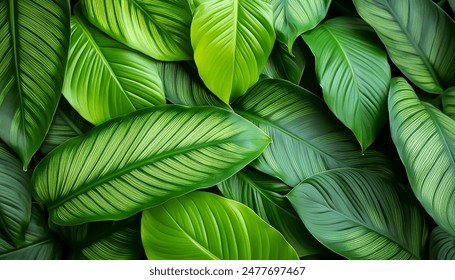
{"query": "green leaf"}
pixel 105 79
pixel 419 37
pixel 39 242
pixel 284 65
pixel 452 5
pixel 202 225
pixel 354 74
pixel 425 140
pixel 448 102
pixel 159 28
pixel 232 40
pixel 266 196
pixel 33 50
pixel 15 197
pixel 294 17
pixel 442 245
pixel 360 215
pixel 306 138
pixel 129 164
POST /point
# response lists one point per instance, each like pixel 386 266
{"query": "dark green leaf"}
pixel 448 102
pixel 442 245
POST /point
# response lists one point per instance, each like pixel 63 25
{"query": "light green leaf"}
pixel 448 102
pixel 425 140
pixel 15 197
pixel 105 79
pixel 354 75
pixel 159 28
pixel 33 50
pixel 452 5
pixel 442 245
pixel 306 137
pixel 232 40
pixel 360 215
pixel 294 17
pixel 265 195
pixel 129 164
pixel 202 225
pixel 419 37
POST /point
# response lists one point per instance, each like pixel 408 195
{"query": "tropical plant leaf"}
pixel 105 79
pixel 354 74
pixel 448 102
pixel 202 225
pixel 33 49
pixel 15 197
pixel 452 5
pixel 266 196
pixel 232 41
pixel 67 123
pixel 442 245
pixel 360 215
pixel 129 164
pixel 159 28
pixel 284 65
pixel 419 37
pixel 425 140
pixel 306 138
pixel 39 242
pixel 294 17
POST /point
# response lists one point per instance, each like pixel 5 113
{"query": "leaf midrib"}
pixel 34 244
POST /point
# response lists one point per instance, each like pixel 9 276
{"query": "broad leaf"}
pixel 232 40
pixel 448 102
pixel 266 196
pixel 105 79
pixel 419 37
pixel 354 74
pixel 129 164
pixel 360 215
pixel 306 138
pixel 294 17
pixel 202 225
pixel 442 245
pixel 452 4
pixel 33 50
pixel 15 198
pixel 159 28
pixel 425 140
pixel 39 244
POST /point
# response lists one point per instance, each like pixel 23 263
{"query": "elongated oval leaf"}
pixel 360 215
pixel 266 196
pixel 33 51
pixel 294 17
pixel 232 40
pixel 202 225
pixel 419 37
pixel 442 245
pixel 425 140
pixel 448 102
pixel 105 79
pixel 158 28
pixel 15 197
pixel 142 160
pixel 306 138
pixel 354 75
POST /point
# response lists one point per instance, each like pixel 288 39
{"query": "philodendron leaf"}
pixel 202 225
pixel 129 164
pixel 425 140
pixel 266 196
pixel 294 17
pixel 33 51
pixel 158 28
pixel 39 243
pixel 448 102
pixel 354 74
pixel 15 197
pixel 306 137
pixel 360 215
pixel 419 37
pixel 442 245
pixel 232 40
pixel 105 79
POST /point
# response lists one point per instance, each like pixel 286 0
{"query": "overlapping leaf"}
pixel 442 245
pixel 425 140
pixel 202 225
pixel 33 49
pixel 448 102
